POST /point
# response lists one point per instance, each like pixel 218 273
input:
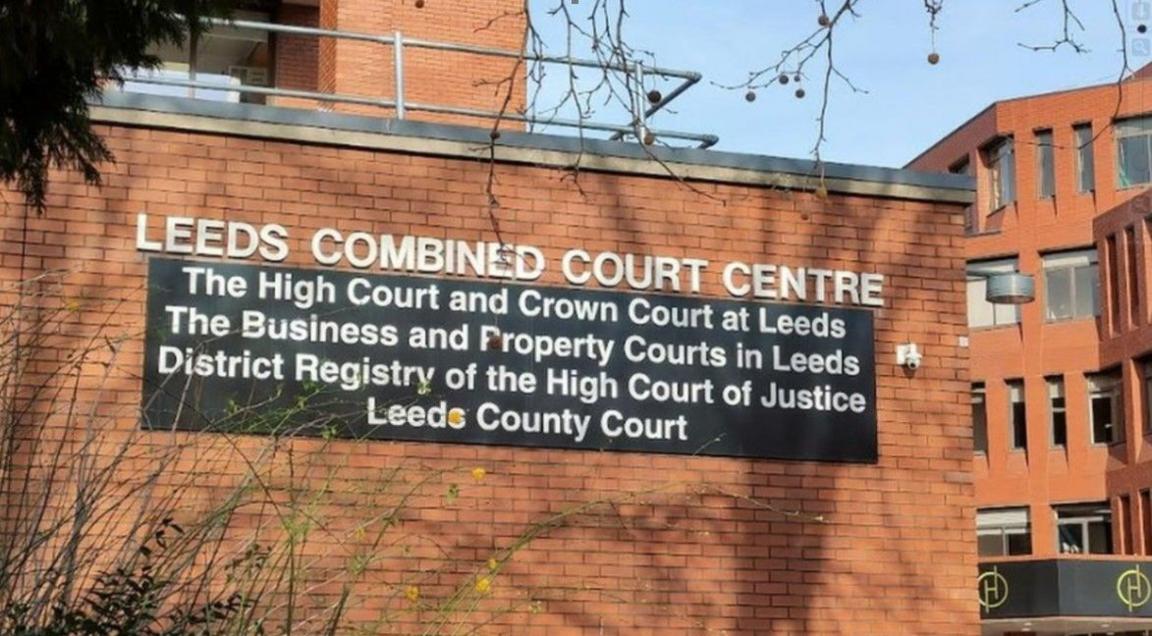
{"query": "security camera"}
pixel 909 356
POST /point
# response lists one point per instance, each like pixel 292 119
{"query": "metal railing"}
pixel 638 128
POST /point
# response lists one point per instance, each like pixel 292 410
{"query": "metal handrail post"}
pixel 398 71
pixel 641 98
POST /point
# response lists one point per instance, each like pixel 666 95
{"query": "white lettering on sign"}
pixel 188 236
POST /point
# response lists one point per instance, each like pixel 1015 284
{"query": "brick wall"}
pixel 443 78
pixel 1043 474
pixel 684 545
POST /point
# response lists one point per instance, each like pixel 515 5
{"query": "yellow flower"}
pixel 412 593
pixel 483 585
pixel 493 564
pixel 456 418
pixel 479 473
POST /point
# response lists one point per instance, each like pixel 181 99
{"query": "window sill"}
pixel 977 233
pixel 993 327
pixel 1134 186
pixel 1059 321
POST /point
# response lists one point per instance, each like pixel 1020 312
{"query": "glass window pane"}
pixel 1071 537
pixel 1147 402
pixel 1003 314
pixel 1058 293
pixel 1019 426
pixel 1059 428
pixel 1102 429
pixel 1133 161
pixel 1085 164
pixel 979 309
pixel 1046 171
pixel 990 544
pixel 1007 173
pixel 1019 543
pixel 1100 537
pixel 979 428
pixel 1087 282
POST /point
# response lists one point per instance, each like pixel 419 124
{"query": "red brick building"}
pixel 1059 390
pixel 398 535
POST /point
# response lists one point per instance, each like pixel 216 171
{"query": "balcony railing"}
pixel 400 107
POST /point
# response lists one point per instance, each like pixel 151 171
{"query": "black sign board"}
pixel 1065 587
pixel 250 348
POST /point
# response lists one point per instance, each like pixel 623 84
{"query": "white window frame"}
pixel 1072 261
pixel 1128 129
pixel 1083 520
pixel 1002 523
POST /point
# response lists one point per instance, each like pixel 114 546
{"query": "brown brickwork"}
pixel 709 551
pixel 443 78
pixel 1044 474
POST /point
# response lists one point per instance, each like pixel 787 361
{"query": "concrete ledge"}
pixel 386 134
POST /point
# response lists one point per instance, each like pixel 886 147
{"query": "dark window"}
pixel 1085 164
pixel 1071 285
pixel 1001 160
pixel 1058 411
pixel 1045 165
pixel 1003 531
pixel 1131 272
pixel 1113 281
pixel 1124 507
pixel 1146 368
pixel 979 419
pixel 1018 414
pixel 1146 519
pixel 1105 408
pixel 1084 528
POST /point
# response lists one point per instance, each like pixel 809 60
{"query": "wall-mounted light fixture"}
pixel 1011 288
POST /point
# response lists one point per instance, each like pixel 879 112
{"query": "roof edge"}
pixel 328 128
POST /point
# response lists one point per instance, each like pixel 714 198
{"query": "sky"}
pixel 909 104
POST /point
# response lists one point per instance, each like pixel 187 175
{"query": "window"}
pixel 1131 271
pixel 1085 164
pixel 1146 519
pixel 1045 165
pixel 1113 271
pixel 1105 408
pixel 221 60
pixel 1133 162
pixel 1001 160
pixel 1017 414
pixel 1057 412
pixel 1003 531
pixel 982 313
pixel 1124 507
pixel 1084 528
pixel 979 419
pixel 1071 285
pixel 1146 370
